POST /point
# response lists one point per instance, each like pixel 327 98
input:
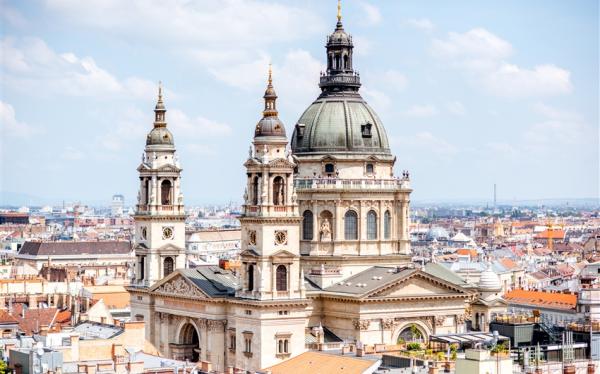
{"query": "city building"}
pixel 118 202
pixel 324 241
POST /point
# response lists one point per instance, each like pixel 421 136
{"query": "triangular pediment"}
pixel 249 253
pixel 143 167
pixel 328 158
pixel 281 163
pixel 283 254
pixel 251 162
pixel 169 168
pixel 176 284
pixel 417 284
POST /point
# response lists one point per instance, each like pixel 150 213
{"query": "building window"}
pixel 281 278
pixel 329 168
pixel 387 224
pixel 167 266
pixel 371 225
pixel 278 191
pixel 370 169
pixel 255 191
pixel 165 192
pixel 283 346
pixel 250 277
pixel 351 225
pixel 307 225
pixel 366 130
pixel 248 345
pixel 284 312
pixel 232 342
pixel 248 312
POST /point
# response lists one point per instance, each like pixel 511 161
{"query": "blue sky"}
pixel 471 93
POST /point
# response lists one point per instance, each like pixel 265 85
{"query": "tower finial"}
pixel 339 14
pixel 270 74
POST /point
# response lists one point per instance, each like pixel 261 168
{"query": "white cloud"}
pixel 295 78
pixel 197 127
pixel 558 129
pixel 456 107
pixel 372 15
pixel 395 80
pixel 212 22
pixel 30 65
pixel 421 111
pixel 11 16
pixel 9 124
pixel 423 24
pixel 425 142
pixel 362 45
pixel 130 127
pixel 503 149
pixel 474 45
pixel 72 154
pixel 543 80
pixel 377 99
pixel 483 54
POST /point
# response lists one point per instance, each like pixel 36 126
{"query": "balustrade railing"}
pixel 335 183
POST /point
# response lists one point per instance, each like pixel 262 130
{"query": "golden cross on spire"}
pixel 339 15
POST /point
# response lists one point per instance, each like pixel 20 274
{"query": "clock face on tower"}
pixel 167 232
pixel 280 237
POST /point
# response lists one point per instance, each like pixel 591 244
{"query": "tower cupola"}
pixel 160 136
pixel 270 126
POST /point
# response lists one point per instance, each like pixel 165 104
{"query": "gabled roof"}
pixel 381 281
pixel 75 248
pixel 211 280
pixel 317 362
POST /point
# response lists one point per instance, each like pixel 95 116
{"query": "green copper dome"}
pixel 337 124
pixel 340 121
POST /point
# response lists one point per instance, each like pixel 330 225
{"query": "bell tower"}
pixel 159 218
pixel 270 221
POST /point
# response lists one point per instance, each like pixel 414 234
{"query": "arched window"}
pixel 250 277
pixel 351 225
pixel 371 225
pixel 329 63
pixel 168 266
pixel 329 168
pixel 370 168
pixel 345 61
pixel 148 187
pixel 278 191
pixel 165 192
pixel 255 190
pixel 281 278
pixel 387 224
pixel 337 62
pixel 307 225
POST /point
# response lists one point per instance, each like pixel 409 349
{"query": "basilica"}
pixel 326 258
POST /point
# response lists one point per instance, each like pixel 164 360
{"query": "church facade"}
pixel 325 247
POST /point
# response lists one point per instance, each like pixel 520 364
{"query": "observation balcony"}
pixel 351 80
pixel 351 184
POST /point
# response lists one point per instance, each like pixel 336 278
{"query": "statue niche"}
pixel 278 191
pixel 325 232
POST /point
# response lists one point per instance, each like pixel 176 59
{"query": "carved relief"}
pixel 180 286
pixel 361 324
pixel 461 318
pixel 439 320
pixel 387 323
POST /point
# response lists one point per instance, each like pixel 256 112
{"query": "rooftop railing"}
pixel 351 184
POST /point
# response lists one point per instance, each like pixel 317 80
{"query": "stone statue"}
pixel 279 200
pixel 325 231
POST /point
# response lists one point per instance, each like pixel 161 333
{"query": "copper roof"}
pixel 71 248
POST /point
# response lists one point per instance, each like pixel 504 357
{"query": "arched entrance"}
pixel 411 332
pixel 188 344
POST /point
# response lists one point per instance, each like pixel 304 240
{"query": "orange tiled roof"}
pixel 321 363
pixel 542 299
pixel 508 263
pixel 551 234
pixel 467 252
